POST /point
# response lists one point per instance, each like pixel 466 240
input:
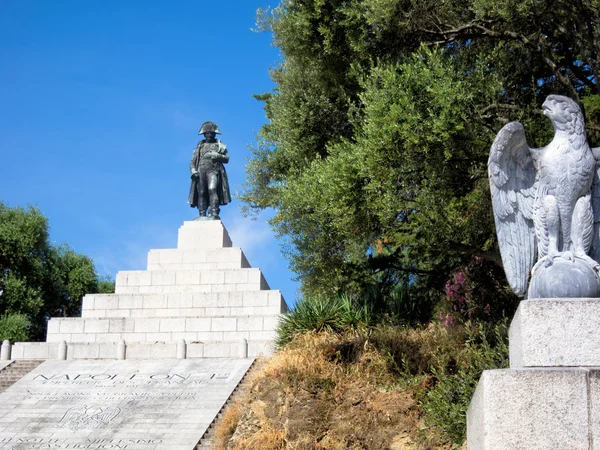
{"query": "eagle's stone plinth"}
pixel 555 333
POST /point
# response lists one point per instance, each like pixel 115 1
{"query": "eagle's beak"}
pixel 546 110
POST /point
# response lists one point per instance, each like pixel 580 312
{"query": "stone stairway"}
pixel 152 365
pixel 15 371
pixel 207 440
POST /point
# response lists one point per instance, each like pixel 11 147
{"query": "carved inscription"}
pixel 89 416
pixel 130 378
pixel 115 404
pixel 44 443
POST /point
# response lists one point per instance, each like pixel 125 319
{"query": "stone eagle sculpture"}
pixel 546 205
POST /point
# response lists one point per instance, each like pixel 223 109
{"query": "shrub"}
pixel 333 314
pixel 400 304
pixel 443 365
pixel 446 403
pixel 475 292
pixel 14 327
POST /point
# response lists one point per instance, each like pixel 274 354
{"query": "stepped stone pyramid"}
pixel 200 300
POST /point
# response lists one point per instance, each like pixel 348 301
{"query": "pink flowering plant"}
pixel 477 292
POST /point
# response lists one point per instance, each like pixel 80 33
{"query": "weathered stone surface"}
pixel 202 292
pixel 163 346
pixel 533 410
pixel 137 405
pixel 556 333
pixel 203 234
pixel 35 350
pixel 209 328
pixel 197 259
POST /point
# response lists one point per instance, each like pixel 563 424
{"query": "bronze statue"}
pixel 210 186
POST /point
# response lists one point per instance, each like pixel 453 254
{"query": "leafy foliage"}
pixel 317 314
pixel 475 293
pixel 106 285
pixel 438 365
pixel 14 328
pixel 374 156
pixel 38 279
pixel 446 404
pixel 443 366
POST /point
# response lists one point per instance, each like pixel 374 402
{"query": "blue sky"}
pixel 100 105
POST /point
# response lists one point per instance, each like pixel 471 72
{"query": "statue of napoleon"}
pixel 210 187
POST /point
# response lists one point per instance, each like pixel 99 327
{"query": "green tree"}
pixel 374 155
pixel 39 280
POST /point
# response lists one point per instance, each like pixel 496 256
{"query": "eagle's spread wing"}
pixel 595 250
pixel 107 414
pixel 513 187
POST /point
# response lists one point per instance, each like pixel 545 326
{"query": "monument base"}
pixel 535 409
pixel 550 396
pixel 556 332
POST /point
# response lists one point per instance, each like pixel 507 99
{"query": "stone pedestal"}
pixel 203 292
pixel 556 333
pixel 550 397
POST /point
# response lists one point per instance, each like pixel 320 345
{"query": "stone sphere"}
pixel 565 278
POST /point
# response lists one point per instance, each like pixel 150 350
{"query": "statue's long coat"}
pixel 223 188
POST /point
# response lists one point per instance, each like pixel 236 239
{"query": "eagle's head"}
pixel 564 113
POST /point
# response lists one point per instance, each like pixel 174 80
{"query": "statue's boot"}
pixel 214 211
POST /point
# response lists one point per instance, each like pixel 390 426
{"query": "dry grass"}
pixel 267 439
pixel 331 392
pixel 227 425
pixel 323 392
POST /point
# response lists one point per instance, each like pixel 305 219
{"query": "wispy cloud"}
pixel 128 249
pixel 251 235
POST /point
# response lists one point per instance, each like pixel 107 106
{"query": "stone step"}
pixel 199 328
pixel 15 371
pixel 207 440
pixel 197 259
pixel 143 350
pixel 210 280
pixel 184 304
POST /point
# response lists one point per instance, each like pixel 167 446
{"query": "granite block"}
pixel 117 313
pixel 69 325
pixel 249 324
pixel 87 302
pixel 146 325
pixel 107 301
pixel 271 322
pixel 203 234
pixel 223 324
pixel 172 324
pixel 236 276
pixel 213 277
pixel 120 325
pixel 218 350
pixel 555 333
pixel 53 326
pixel 162 277
pixel 530 409
pixel 197 324
pixel 268 335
